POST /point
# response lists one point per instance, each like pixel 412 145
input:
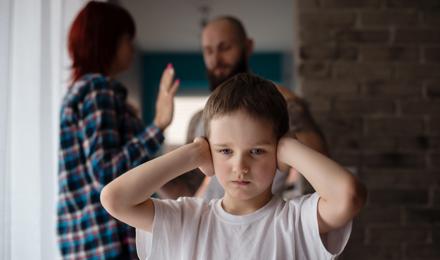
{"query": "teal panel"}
pixel 190 69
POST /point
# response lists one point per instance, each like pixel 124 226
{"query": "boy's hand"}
pixel 205 156
pixel 282 153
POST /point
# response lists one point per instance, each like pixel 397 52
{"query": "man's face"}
pixel 244 156
pixel 224 52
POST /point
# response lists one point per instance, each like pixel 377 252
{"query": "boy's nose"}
pixel 241 167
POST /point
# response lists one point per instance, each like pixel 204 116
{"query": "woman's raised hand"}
pixel 165 98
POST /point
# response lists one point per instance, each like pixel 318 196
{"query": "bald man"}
pixel 226 52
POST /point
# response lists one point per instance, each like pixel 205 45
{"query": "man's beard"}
pixel 240 67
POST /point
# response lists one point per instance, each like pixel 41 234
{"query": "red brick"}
pixel 395 197
pixel 316 37
pixel 436 202
pixel 417 71
pixel 363 106
pixel 343 36
pixel 351 4
pixel 347 142
pixel 432 54
pixel 431 19
pixel 331 53
pixel 436 235
pixel 422 216
pixel 434 160
pixel 389 54
pixel 422 252
pixel 329 88
pixel 393 126
pixel 420 107
pixel 433 91
pixel 314 70
pixel 417 36
pixel 394 160
pixel 325 20
pixel 403 178
pixel 362 70
pixel 392 88
pixel 377 144
pixel 380 215
pixel 369 252
pixel 419 4
pixel 434 126
pixel 337 124
pixel 417 143
pixel 389 18
pixel 319 104
pixel 362 36
pixel 398 235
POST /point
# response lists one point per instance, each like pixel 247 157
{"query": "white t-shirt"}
pixel 191 228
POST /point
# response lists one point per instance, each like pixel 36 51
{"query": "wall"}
pixel 170 25
pixel 370 70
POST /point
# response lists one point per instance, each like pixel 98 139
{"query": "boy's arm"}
pixel 127 198
pixel 341 194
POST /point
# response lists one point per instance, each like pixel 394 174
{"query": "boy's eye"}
pixel 225 151
pixel 257 151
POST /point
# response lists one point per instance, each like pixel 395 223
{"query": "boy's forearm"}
pixel 138 184
pixel 329 179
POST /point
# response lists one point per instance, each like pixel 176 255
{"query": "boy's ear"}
pixel 206 166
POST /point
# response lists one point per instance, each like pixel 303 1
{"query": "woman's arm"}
pixel 341 194
pixel 127 197
pixel 103 146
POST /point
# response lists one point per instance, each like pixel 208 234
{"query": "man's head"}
pixel 226 49
pixel 244 119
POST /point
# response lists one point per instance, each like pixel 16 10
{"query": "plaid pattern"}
pixel 100 138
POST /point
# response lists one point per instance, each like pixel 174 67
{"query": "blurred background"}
pixel 370 70
pixel 169 31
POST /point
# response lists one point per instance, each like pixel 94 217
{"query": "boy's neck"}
pixel 235 206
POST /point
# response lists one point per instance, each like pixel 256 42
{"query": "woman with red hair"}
pixel 100 135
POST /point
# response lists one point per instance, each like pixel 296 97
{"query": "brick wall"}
pixel 371 71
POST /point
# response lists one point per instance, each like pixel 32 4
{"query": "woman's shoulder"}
pixel 85 85
pixel 90 82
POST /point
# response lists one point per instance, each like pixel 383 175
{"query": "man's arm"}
pixel 341 194
pixel 127 198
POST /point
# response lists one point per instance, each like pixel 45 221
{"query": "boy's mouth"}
pixel 241 183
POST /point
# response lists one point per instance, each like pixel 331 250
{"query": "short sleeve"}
pixel 173 222
pixel 330 245
pixel 143 243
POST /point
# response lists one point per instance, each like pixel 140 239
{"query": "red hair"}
pixel 95 35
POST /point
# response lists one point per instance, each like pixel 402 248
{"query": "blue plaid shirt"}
pixel 100 138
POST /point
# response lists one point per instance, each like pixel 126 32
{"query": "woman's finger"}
pixel 174 87
pixel 167 77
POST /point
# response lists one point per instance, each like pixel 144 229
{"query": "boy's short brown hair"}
pixel 254 95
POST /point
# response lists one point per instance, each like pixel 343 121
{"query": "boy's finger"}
pixel 200 139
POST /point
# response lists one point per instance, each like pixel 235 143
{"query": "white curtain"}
pixel 33 78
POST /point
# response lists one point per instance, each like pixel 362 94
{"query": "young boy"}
pixel 246 122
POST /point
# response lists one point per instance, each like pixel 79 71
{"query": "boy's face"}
pixel 244 155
